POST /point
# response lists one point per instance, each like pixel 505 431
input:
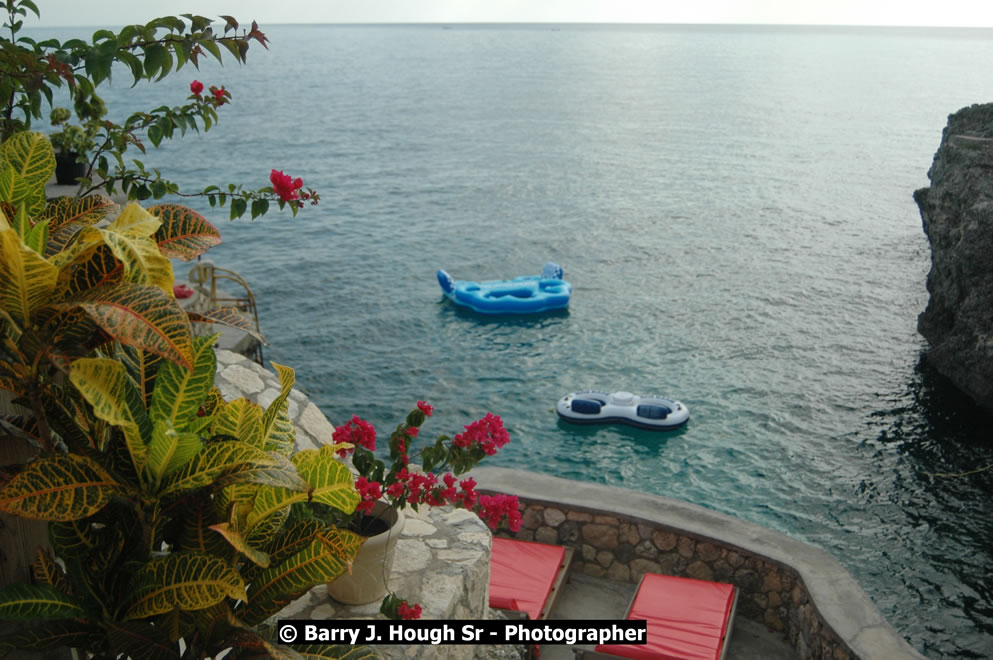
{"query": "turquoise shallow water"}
pixel 733 209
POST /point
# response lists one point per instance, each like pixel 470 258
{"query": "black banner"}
pixel 463 631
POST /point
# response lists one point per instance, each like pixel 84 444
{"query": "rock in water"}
pixel 957 211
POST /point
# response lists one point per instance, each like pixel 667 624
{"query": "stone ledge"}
pixel 783 583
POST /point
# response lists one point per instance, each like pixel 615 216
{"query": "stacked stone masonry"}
pixel 625 549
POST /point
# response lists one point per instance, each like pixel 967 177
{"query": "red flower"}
pixel 219 94
pixel 285 186
pixel 196 87
pixel 407 612
pixel 412 431
pixel 425 408
pixel 355 432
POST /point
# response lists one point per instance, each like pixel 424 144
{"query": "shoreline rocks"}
pixel 957 215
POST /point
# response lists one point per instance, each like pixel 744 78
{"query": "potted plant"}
pixel 72 142
pixel 387 490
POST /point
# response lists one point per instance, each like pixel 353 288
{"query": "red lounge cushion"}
pixel 182 291
pixel 687 619
pixel 522 574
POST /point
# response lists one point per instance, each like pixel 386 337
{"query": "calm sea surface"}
pixel 733 208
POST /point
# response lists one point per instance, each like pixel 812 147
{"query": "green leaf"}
pixel 52 634
pixel 107 386
pixel 59 487
pixel 169 451
pixel 185 582
pixel 22 602
pixel 139 639
pixel 179 392
pixel 238 207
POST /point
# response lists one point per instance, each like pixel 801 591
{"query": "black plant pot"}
pixel 68 169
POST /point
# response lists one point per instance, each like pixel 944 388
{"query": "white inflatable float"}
pixel 647 412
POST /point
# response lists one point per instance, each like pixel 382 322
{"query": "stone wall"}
pixel 785 584
pixel 624 549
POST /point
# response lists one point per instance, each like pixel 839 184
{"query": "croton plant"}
pixel 168 507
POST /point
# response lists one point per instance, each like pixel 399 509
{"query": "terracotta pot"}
pixel 371 568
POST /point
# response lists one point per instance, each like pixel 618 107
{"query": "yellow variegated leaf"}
pixel 184 233
pixel 239 543
pixel 93 268
pixel 26 278
pixel 82 211
pixel 212 461
pixel 230 317
pixel 32 602
pixel 169 450
pixel 331 483
pixel 315 564
pixel 37 237
pixel 142 366
pixel 240 419
pixel 44 570
pixel 280 473
pixel 30 157
pixel 286 380
pixel 142 316
pixel 83 241
pixel 143 262
pixel 335 652
pixel 183 581
pixel 59 487
pixel 135 221
pixel 282 434
pixel 179 392
pixel 107 386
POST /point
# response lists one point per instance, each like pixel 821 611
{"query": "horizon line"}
pixel 594 23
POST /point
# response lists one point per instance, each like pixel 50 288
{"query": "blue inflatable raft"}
pixel 527 294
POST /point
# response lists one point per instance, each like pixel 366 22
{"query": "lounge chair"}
pixel 687 620
pixel 526 577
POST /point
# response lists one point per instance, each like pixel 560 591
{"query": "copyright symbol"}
pixel 288 634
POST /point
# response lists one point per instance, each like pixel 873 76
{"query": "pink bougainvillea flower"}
pixel 425 408
pixel 407 612
pixel 355 432
pixel 196 87
pixel 219 94
pixel 285 186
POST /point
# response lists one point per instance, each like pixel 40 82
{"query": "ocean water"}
pixel 732 206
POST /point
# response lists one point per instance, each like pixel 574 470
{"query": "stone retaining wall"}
pixel 624 549
pixel 783 583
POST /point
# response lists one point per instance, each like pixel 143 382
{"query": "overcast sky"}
pixel 111 13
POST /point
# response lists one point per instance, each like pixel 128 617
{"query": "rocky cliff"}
pixel 957 211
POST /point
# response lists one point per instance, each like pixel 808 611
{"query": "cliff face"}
pixel 957 211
